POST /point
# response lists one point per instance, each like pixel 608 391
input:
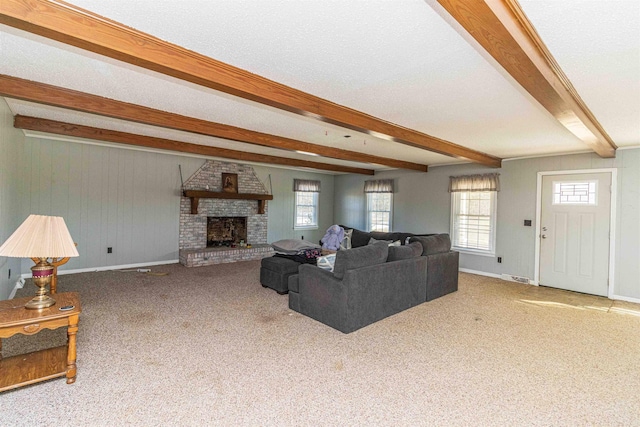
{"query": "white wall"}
pixel 422 204
pixel 281 209
pixel 11 142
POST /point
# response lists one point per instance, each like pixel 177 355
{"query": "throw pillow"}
pixel 363 256
pixel 412 250
pixel 346 242
pixel 327 262
pixel 359 238
pixel 389 242
pixel 293 246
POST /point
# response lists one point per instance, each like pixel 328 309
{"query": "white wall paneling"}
pixel 422 204
pixel 11 189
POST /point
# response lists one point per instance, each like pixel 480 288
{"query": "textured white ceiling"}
pixel 597 44
pixel 397 60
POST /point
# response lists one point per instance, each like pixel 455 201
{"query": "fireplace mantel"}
pixel 196 195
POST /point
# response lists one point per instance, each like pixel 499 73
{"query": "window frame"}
pixel 368 211
pixel 455 243
pixel 315 205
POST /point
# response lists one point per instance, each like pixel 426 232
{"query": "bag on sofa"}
pixel 327 262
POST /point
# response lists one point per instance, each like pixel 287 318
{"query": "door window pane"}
pixel 575 193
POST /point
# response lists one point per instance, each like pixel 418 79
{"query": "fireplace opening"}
pixel 226 230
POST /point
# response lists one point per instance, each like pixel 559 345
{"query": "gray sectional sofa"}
pixel 374 281
pixel 362 289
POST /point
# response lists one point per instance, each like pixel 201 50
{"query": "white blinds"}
pixel 306 185
pixel 379 186
pixel 485 182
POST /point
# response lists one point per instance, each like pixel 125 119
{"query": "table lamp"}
pixel 40 237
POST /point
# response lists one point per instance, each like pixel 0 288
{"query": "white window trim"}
pixel 316 200
pixel 368 224
pixel 471 251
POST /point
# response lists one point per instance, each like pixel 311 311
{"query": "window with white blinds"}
pixel 379 211
pixel 379 204
pixel 473 213
pixel 306 204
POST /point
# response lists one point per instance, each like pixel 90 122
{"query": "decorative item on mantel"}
pixel 41 237
pixel 230 182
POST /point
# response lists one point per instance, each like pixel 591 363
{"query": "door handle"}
pixel 543 236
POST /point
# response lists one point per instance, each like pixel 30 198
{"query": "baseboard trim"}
pixel 108 268
pixel 628 299
pixel 479 273
pixel 19 285
pixel 506 277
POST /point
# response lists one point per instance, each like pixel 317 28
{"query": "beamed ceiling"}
pixel 334 86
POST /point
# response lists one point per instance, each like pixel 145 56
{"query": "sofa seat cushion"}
pixel 412 250
pixel 433 244
pixel 280 265
pixel 360 257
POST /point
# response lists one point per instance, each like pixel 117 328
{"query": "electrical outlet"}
pixel 527 223
pixel 500 259
pixel 109 250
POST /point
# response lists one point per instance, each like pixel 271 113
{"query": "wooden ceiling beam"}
pixel 504 31
pixel 27 90
pixel 79 131
pixel 78 27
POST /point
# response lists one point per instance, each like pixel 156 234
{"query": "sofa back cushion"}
pixel 434 244
pixel 359 238
pixel 412 250
pixel 363 256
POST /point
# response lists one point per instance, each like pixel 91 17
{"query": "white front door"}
pixel 574 232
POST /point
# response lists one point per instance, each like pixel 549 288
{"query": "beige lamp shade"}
pixel 40 236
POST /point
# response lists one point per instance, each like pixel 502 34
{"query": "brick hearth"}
pixel 210 256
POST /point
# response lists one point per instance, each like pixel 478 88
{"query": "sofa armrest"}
pixel 433 244
pixel 442 274
pixel 322 296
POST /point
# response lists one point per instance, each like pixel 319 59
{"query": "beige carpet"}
pixel 210 346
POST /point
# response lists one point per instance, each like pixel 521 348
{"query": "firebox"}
pixel 226 230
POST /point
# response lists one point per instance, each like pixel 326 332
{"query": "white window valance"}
pixel 379 186
pixel 306 185
pixel 485 182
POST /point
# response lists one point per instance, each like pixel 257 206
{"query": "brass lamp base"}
pixel 41 273
pixel 39 302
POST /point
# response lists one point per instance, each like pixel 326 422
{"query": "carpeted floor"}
pixel 210 346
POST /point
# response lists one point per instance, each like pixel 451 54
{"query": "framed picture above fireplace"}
pixel 230 182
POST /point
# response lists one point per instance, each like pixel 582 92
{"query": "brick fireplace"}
pixel 213 234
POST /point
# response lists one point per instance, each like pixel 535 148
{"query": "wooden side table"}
pixel 45 364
